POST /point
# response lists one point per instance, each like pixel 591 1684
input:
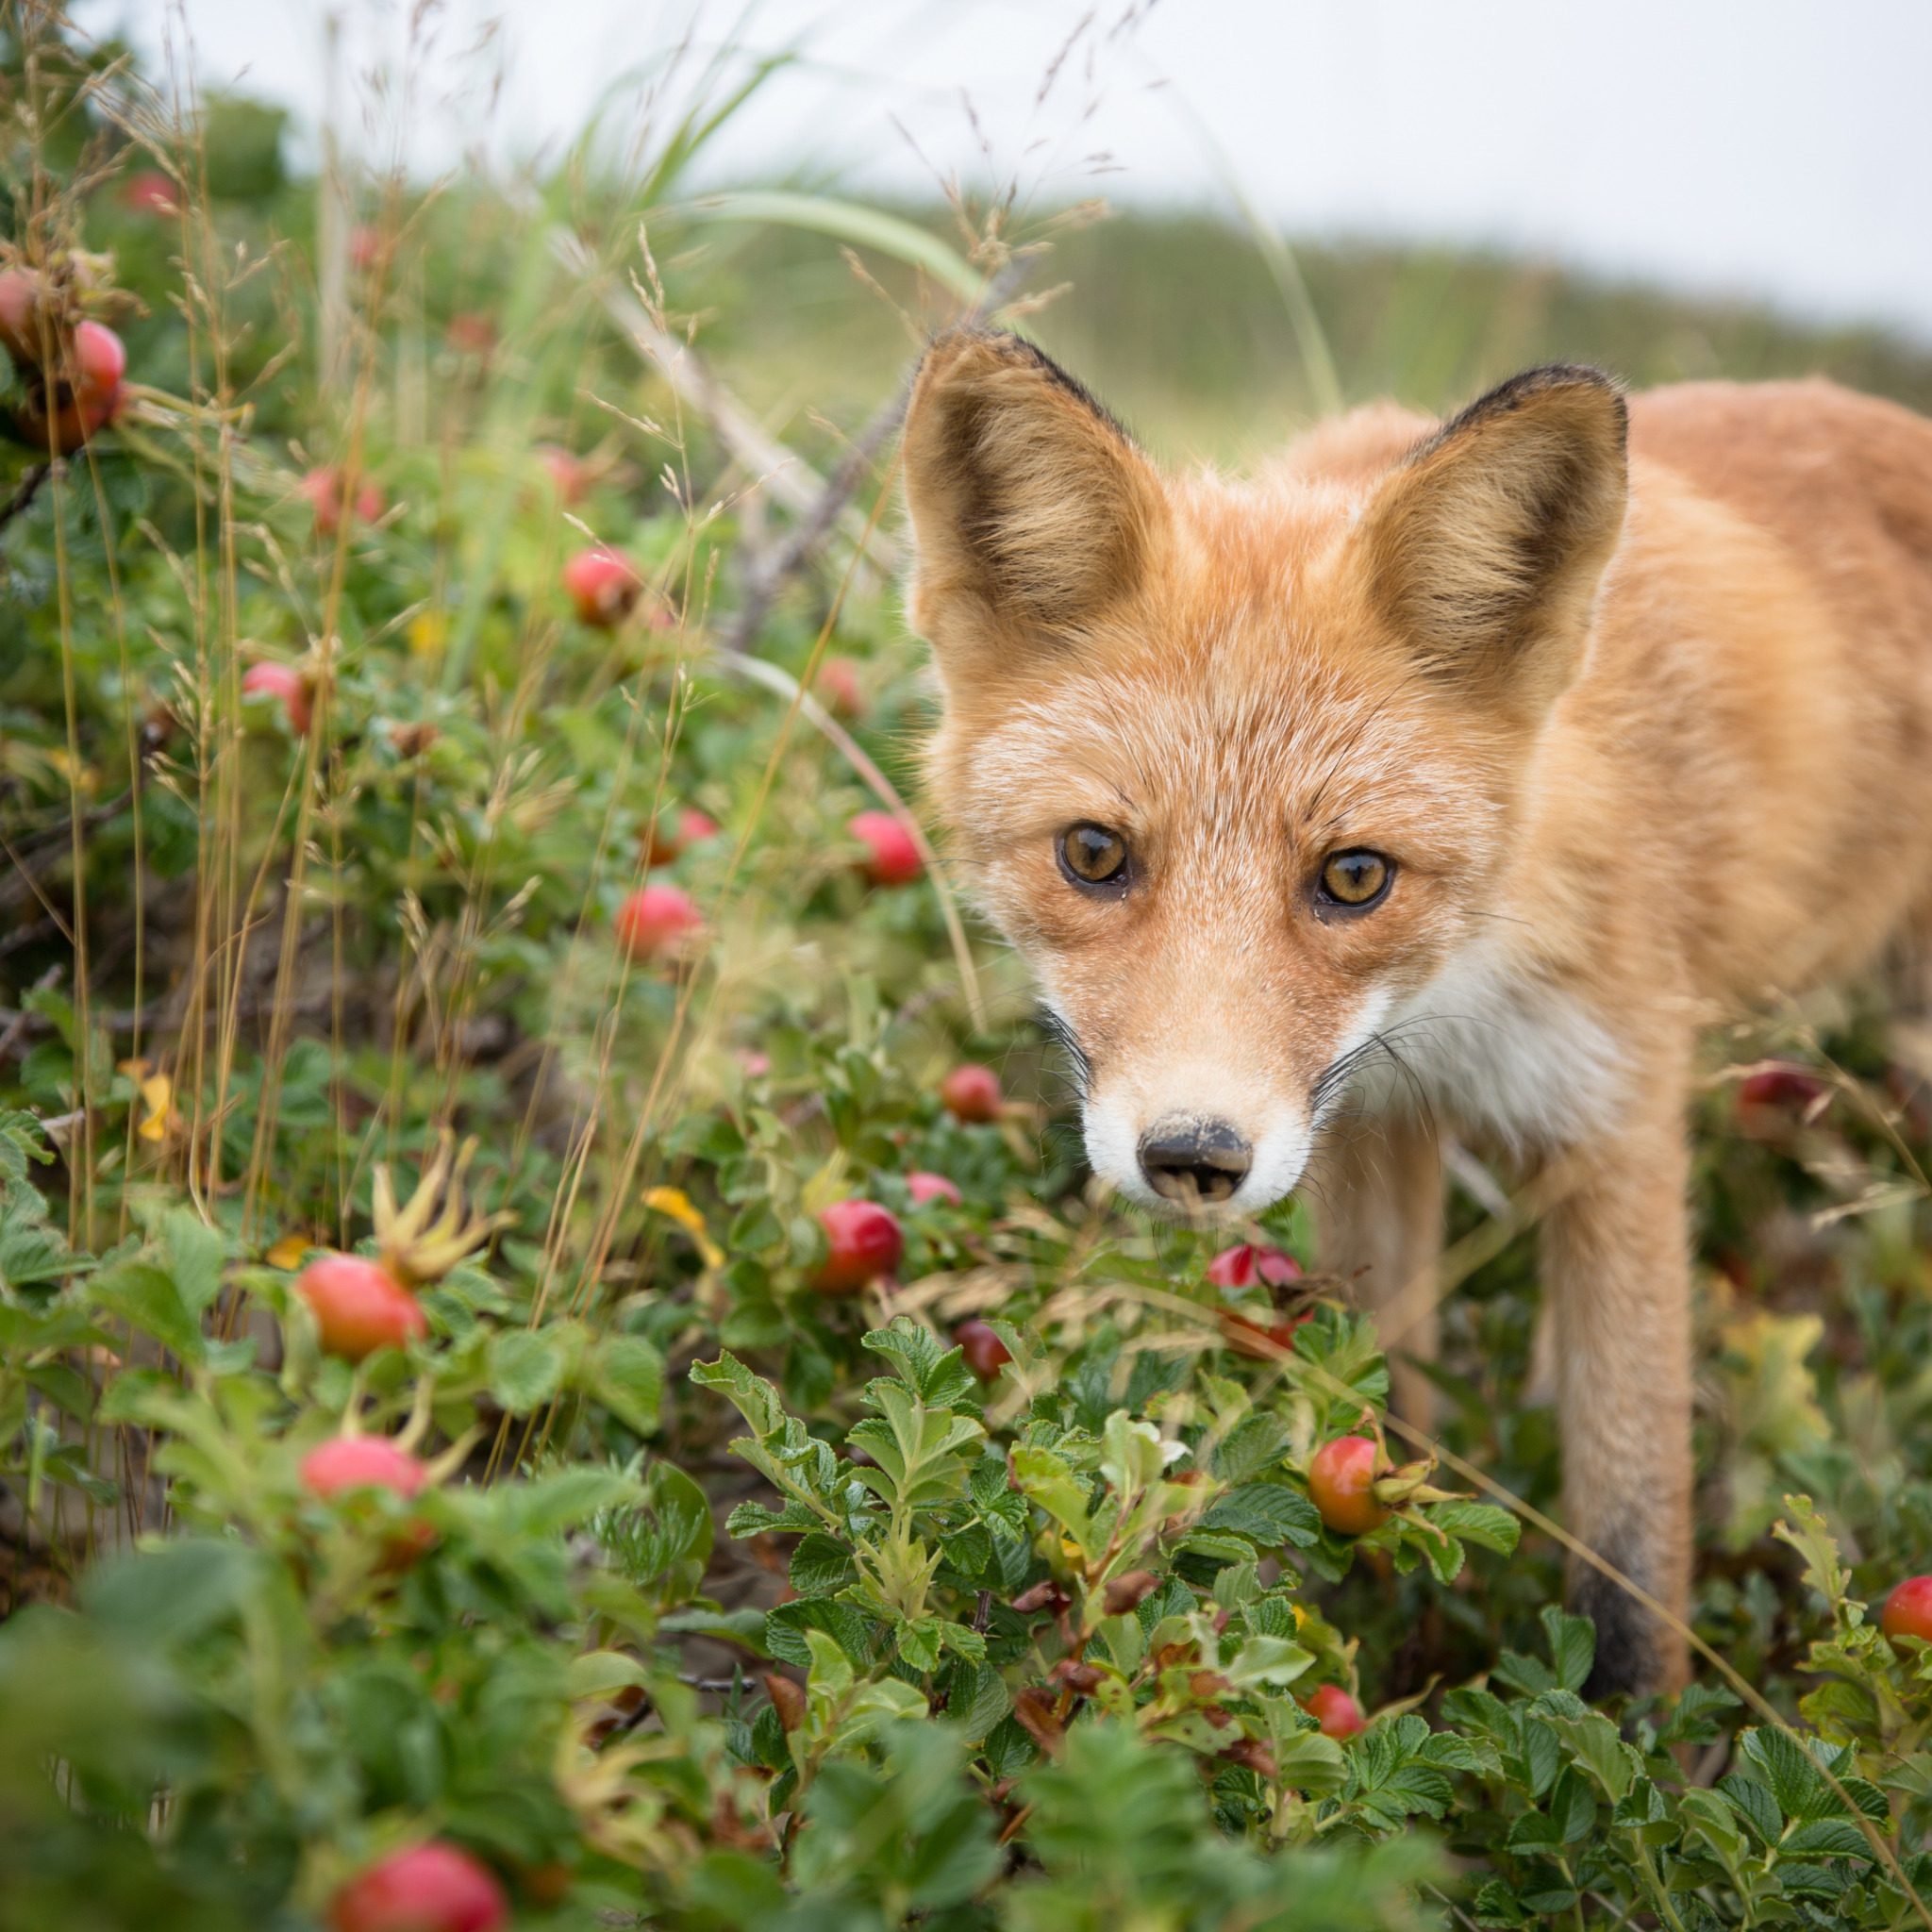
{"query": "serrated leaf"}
pixel 525 1369
pixel 1270 1513
pixel 1593 1741
pixel 788 1627
pixel 937 1374
pixel 1482 1523
pixel 145 1298
pixel 978 1700
pixel 754 1397
pixel 820 1565
pixel 1256 1443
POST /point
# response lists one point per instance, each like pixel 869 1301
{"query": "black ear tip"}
pixel 1579 379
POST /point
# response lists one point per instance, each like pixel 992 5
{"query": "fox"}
pixel 1438 778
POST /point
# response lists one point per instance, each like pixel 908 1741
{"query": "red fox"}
pixel 1444 775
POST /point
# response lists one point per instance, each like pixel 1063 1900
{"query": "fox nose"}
pixel 1193 1161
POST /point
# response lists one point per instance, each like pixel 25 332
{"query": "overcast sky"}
pixel 1781 148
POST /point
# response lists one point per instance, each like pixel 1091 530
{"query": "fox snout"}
pixel 1199 1149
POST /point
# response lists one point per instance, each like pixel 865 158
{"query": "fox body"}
pixel 1441 776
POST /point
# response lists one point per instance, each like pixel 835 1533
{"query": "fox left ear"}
pixel 1483 552
pixel 1032 513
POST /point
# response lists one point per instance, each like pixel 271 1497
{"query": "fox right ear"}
pixel 1032 513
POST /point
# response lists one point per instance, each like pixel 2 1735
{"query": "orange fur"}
pixel 1644 734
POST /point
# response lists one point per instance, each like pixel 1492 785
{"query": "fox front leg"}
pixel 1617 1267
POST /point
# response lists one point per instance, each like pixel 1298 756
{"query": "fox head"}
pixel 1240 769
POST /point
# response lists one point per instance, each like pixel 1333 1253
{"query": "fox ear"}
pixel 1484 551
pixel 1031 512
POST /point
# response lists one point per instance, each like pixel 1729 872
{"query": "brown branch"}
pixel 25 492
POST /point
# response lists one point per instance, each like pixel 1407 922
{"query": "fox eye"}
pixel 1356 879
pixel 1092 855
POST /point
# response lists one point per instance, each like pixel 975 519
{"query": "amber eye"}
pixel 1092 855
pixel 1356 879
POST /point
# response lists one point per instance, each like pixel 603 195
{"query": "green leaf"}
pixel 551 1504
pixel 979 1699
pixel 1270 1513
pixel 789 1626
pixel 1258 1442
pixel 194 1254
pixel 1483 1523
pixel 1599 1750
pixel 146 1299
pixel 820 1565
pixel 626 1375
pixel 937 1374
pixel 598 1672
pixel 525 1369
pixel 744 1628
pixel 753 1398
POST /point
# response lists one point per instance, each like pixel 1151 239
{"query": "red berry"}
pixel 1340 1715
pixel 984 1353
pixel 671 836
pixel 1339 1480
pixel 838 687
pixel 567 475
pixel 893 859
pixel 360 1462
pixel 329 496
pixel 19 331
pixel 100 364
pixel 1908 1609
pixel 972 1093
pixel 602 585
pixel 284 682
pixel 471 333
pixel 359 1305
pixel 930 1187
pixel 863 1241
pixel 149 193
pixel 1770 1099
pixel 653 919
pixel 432 1888
pixel 1243 1267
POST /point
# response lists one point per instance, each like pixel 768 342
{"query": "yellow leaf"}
pixel 675 1203
pixel 157 1097
pixel 427 633
pixel 288 1252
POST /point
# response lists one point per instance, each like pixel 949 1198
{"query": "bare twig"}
pixel 25 492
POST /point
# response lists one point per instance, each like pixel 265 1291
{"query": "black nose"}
pixel 1193 1161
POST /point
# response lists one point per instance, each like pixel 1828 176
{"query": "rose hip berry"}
pixel 360 1462
pixel 284 682
pixel 333 496
pixel 1340 1715
pixel 891 857
pixel 601 586
pixel 673 834
pixel 432 1888
pixel 1339 1480
pixel 653 919
pixel 838 688
pixel 1908 1609
pixel 1248 1264
pixel 359 1305
pixel 972 1093
pixel 925 1188
pixel 863 1241
pixel 984 1353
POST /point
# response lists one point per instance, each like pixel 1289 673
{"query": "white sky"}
pixel 1780 148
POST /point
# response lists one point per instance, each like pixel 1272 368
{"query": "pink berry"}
pixel 653 919
pixel 891 857
pixel 601 586
pixel 863 1241
pixel 432 1888
pixel 1245 1266
pixel 972 1093
pixel 360 1462
pixel 930 1187
pixel 360 1306
pixel 284 682
pixel 1340 1715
